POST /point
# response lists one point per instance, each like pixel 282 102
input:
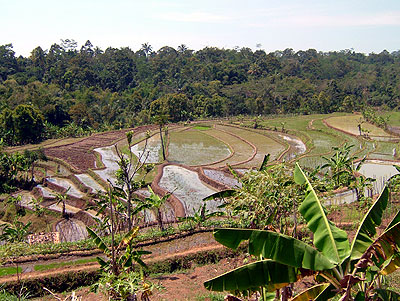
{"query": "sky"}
pixel 329 25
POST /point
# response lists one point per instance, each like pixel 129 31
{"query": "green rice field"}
pixel 350 124
pixel 195 147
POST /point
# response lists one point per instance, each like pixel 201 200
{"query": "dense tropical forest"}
pixel 66 91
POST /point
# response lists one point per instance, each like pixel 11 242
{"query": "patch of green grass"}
pixel 9 271
pixel 202 127
pixel 394 281
pixel 4 296
pixel 44 267
pixel 394 117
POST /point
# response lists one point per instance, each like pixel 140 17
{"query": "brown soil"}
pixel 184 285
pixel 187 285
pixel 80 155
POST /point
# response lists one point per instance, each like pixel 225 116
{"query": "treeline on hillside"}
pixel 69 91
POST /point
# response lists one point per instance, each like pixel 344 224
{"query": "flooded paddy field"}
pixel 151 148
pixel 242 150
pixel 66 184
pixel 195 147
pixel 109 158
pixel 187 187
pixel 222 177
pixel 90 182
pixel 213 145
pixel 264 144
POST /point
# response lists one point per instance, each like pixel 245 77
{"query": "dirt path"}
pixel 200 242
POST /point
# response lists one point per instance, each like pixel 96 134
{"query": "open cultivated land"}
pixel 350 124
pixel 195 167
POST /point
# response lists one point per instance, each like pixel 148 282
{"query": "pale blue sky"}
pixel 367 25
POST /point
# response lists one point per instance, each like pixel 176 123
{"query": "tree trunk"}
pixel 160 221
pixel 162 143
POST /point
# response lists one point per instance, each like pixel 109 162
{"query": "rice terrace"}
pixel 202 158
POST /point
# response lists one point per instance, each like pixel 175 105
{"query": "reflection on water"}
pixel 379 170
pixel 297 147
pixel 90 182
pixel 109 159
pixel 152 150
pixel 345 197
pixel 187 187
pixel 67 184
pixel 192 147
pixel 196 153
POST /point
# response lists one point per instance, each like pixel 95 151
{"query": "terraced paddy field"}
pixel 196 147
pixel 242 150
pixel 394 117
pixel 211 145
pixel 262 140
pixel 349 124
pixel 187 186
pixel 152 149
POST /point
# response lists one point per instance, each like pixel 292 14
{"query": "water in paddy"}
pixel 345 197
pixel 67 184
pixel 46 192
pixel 150 215
pixel 152 150
pixel 297 147
pixel 109 158
pixel 90 182
pixel 187 187
pixel 193 147
pixel 379 170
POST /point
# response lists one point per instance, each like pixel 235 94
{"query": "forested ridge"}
pixel 66 91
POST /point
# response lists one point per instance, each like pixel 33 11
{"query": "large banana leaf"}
pixel 388 295
pixel 266 273
pixel 329 239
pixel 275 246
pixel 367 229
pixel 312 293
pixel 98 241
pixel 128 237
pixel 394 221
pixel 381 250
pixel 391 265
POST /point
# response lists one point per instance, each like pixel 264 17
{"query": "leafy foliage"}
pixel 77 90
pixel 352 271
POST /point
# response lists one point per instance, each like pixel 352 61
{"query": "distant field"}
pixel 349 123
pixel 394 117
pixel 242 150
pixel 264 144
pixel 195 147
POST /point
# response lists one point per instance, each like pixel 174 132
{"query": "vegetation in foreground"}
pixel 353 270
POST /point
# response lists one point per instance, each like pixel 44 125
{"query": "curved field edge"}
pixel 68 279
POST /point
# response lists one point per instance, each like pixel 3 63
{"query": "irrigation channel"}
pixel 196 165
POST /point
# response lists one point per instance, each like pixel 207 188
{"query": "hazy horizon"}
pixel 364 26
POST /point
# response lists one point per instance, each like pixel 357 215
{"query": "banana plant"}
pixel 353 270
pixel 122 256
